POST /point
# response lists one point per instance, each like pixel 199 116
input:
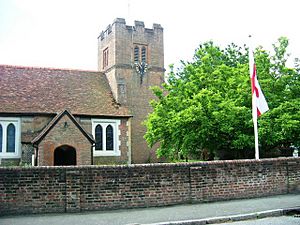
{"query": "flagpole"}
pixel 254 116
pixel 254 107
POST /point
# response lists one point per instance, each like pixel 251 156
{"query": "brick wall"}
pixel 74 189
pixel 235 179
pixel 32 190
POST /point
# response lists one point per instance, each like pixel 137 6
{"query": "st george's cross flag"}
pixel 259 102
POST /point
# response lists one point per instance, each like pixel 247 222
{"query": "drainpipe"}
pixel 129 140
pixel 36 148
pixel 92 156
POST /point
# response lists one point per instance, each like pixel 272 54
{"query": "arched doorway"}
pixel 64 156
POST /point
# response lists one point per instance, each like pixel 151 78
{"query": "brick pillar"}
pixel 72 190
pixel 293 176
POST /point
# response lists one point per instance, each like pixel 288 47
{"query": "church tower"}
pixel 132 58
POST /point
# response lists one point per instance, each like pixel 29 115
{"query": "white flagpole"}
pixel 254 115
pixel 254 107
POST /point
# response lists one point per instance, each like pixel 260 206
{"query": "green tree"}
pixel 280 127
pixel 204 110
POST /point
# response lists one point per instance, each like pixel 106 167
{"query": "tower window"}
pixel 140 53
pixel 105 58
pixel 144 52
pixel 136 54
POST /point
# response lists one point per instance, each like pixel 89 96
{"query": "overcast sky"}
pixel 63 34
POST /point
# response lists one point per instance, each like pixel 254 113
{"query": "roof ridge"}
pixel 47 68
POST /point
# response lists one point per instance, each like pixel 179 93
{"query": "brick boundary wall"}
pixel 85 188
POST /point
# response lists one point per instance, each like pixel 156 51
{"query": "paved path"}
pixel 160 214
pixel 281 220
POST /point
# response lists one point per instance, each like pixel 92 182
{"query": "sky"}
pixel 63 33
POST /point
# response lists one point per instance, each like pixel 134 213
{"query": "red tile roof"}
pixel 45 90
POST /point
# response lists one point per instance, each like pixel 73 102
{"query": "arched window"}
pixel 11 138
pixel 109 138
pixel 136 54
pixel 144 54
pixel 1 134
pixel 98 138
pixel 106 133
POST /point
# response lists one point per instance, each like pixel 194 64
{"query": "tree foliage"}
pixel 204 109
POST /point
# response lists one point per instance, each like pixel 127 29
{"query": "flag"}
pixel 259 102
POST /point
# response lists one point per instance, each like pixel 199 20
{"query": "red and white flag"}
pixel 259 102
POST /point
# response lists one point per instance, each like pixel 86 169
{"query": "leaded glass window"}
pixel 106 133
pixel 98 137
pixel 11 138
pixel 109 138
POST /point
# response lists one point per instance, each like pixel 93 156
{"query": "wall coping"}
pixel 167 165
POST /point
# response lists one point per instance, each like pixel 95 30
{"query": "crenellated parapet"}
pixel 120 23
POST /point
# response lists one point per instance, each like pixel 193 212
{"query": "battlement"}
pixel 120 23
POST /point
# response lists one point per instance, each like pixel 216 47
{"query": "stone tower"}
pixel 132 58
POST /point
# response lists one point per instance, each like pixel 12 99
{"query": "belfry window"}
pixel 144 58
pixel 136 54
pixel 140 53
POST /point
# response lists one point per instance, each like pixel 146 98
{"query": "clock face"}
pixel 141 69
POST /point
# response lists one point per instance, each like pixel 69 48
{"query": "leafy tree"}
pixel 280 128
pixel 204 110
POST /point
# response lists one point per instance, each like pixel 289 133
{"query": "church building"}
pixel 54 117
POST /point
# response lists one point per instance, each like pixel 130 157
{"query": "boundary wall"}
pixel 86 188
